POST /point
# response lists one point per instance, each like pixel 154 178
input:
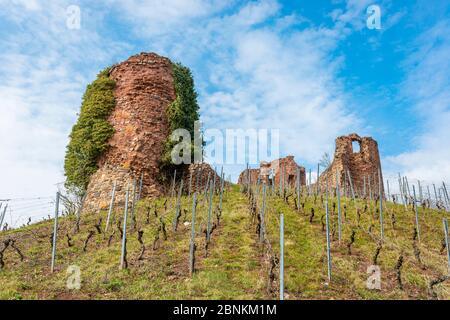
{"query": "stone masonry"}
pixel 202 173
pixel 363 166
pixel 271 172
pixel 144 90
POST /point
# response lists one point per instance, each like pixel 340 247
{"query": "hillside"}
pixel 236 265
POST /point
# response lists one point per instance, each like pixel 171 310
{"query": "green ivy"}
pixel 90 135
pixel 181 113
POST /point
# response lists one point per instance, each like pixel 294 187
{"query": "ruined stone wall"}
pixel 252 174
pixel 201 172
pixel 363 166
pixel 276 168
pixel 287 168
pixel 144 90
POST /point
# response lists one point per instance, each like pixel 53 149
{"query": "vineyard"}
pixel 223 242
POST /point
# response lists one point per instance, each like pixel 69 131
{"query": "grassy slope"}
pixel 235 267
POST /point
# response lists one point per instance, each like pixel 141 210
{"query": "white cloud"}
pixel 45 68
pixel 264 78
pixel 427 89
pixel 32 5
pixel 159 18
pixel 249 69
pixel 286 83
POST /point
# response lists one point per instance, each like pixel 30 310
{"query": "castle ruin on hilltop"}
pixel 273 172
pixel 356 165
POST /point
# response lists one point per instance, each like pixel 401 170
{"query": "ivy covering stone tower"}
pixel 122 133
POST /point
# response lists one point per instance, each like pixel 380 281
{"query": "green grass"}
pixel 306 261
pixel 236 266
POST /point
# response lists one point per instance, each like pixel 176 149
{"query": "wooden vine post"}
pixel 172 191
pixel 208 227
pixel 281 256
pixel 207 184
pixel 222 182
pixel 318 177
pixel 402 195
pixel 124 236
pixel 446 196
pixel 178 208
pixel 447 242
pixel 190 186
pixel 328 233
pixel 435 194
pixel 351 185
pixel 263 208
pixel 192 242
pixel 55 231
pixel 416 210
pixel 298 189
pixel 380 191
pixel 141 183
pixel 338 193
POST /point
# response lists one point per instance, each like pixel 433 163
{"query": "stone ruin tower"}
pixel 144 89
pixel 361 165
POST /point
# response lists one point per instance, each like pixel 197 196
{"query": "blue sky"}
pixel 310 68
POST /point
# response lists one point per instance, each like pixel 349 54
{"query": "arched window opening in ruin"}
pixel 356 146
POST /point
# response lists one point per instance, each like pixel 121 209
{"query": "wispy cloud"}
pixel 43 77
pixel 252 66
pixel 427 89
pixel 161 18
